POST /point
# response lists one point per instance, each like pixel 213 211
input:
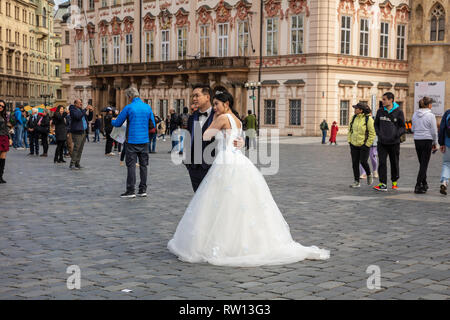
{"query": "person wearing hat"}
pixel 361 135
pixel 425 132
pixel 390 127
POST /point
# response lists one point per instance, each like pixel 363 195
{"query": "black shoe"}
pixel 43 155
pixel 128 194
pixel 425 186
pixel 2 181
pixel 78 167
pixel 30 154
pixel 142 193
pixel 443 189
pixel 62 161
pixel 419 189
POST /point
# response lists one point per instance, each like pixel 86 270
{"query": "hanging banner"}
pixel 434 90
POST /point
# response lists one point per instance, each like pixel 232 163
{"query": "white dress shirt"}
pixel 202 119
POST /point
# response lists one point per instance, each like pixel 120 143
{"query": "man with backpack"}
pixel 361 135
pixel 324 128
pixel 390 129
pixel 444 142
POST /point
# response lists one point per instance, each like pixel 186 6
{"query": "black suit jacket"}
pixel 190 145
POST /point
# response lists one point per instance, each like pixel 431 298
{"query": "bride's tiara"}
pixel 219 92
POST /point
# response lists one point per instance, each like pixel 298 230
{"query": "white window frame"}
pixel 165 45
pixel 129 47
pixel 149 46
pixel 364 37
pixel 80 53
pixel 104 50
pixel 116 49
pixel 243 37
pixel 181 43
pixel 204 40
pixel 91 52
pixel 384 40
pixel 222 37
pixel 297 32
pixel 401 40
pixel 346 35
pixel 272 36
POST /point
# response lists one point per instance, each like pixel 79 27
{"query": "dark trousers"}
pixel 124 151
pixel 197 174
pixel 393 151
pixel 134 152
pixel 360 155
pixel 423 150
pixel 109 144
pixel 152 145
pixel 44 139
pixel 78 145
pixel 59 150
pixel 34 142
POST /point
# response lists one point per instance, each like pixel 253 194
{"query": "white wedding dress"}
pixel 232 220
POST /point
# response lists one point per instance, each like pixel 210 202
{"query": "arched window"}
pixel 437 23
pixel 44 18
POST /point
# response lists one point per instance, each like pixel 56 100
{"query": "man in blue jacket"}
pixel 79 119
pixel 140 119
pixel 18 129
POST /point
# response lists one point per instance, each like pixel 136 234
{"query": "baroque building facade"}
pixel 29 54
pixel 319 57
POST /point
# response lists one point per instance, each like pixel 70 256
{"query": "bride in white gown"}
pixel 232 220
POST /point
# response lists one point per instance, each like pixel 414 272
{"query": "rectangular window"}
pixel 104 50
pixel 67 37
pixel 116 49
pixel 91 52
pixel 204 40
pixel 272 37
pixel 343 113
pixel 181 43
pixel 162 106
pixel 269 111
pixel 91 4
pixel 345 34
pixel 80 53
pixel 165 42
pixel 129 47
pixel 297 34
pixel 58 94
pixel 149 51
pixel 178 105
pixel 295 112
pixel 57 71
pixel 384 40
pixel 364 38
pixel 223 39
pixel 67 63
pixel 243 38
pixel 104 3
pixel 401 29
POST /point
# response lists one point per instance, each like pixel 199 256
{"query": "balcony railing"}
pixel 172 67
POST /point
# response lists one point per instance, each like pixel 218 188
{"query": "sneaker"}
pixel 122 163
pixel 375 174
pixel 419 189
pixel 381 187
pixel 363 176
pixel 369 179
pixel 355 184
pixel 394 185
pixel 128 194
pixel 443 189
pixel 142 194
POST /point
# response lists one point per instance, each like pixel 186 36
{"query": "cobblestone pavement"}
pixel 51 218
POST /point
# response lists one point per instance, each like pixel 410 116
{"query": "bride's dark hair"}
pixel 225 96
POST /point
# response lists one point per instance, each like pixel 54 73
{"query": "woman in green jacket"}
pixel 361 135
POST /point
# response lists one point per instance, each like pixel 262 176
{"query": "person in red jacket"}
pixel 334 131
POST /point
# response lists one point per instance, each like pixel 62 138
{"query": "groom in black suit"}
pixel 199 163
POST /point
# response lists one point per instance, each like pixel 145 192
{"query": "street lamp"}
pixel 253 86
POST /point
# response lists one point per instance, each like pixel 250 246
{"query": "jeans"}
pixel 152 144
pixel 134 152
pixel 18 135
pixel 324 136
pixel 360 155
pixel 373 158
pixel 25 138
pixel 393 150
pixel 97 135
pixel 445 175
pixel 423 150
